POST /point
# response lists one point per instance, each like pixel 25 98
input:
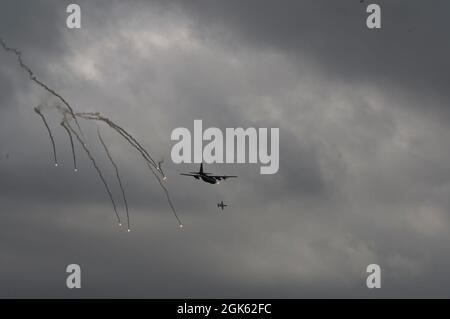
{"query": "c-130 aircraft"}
pixel 208 177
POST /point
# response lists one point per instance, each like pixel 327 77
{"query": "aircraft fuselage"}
pixel 208 179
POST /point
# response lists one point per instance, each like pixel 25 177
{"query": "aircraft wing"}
pixel 220 177
pixel 194 175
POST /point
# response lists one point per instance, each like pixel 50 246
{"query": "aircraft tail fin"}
pixel 201 168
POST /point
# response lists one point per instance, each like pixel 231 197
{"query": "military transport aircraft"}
pixel 207 177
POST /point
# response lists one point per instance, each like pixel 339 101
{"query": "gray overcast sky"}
pixel 364 149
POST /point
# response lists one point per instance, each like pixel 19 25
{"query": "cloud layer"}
pixel 364 130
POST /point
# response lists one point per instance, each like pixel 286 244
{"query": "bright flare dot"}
pixel 181 226
pixel 76 169
pixel 164 178
pixel 120 224
pixel 56 164
pixel 128 230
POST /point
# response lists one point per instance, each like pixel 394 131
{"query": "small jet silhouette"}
pixel 221 205
pixel 207 177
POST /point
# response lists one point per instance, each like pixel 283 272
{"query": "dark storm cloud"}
pixel 409 52
pixel 362 174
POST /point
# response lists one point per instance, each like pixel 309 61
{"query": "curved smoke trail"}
pixel 75 168
pixel 67 126
pixel 38 111
pixel 119 180
pixel 167 196
pixel 33 78
pixel 97 117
